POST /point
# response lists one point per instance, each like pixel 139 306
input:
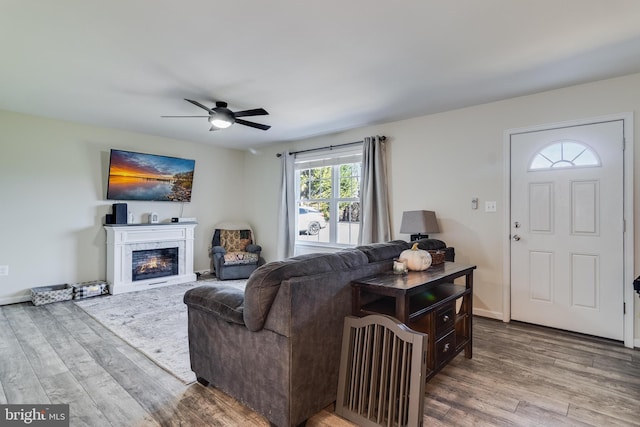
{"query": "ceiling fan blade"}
pixel 196 103
pixel 253 124
pixel 169 117
pixel 254 112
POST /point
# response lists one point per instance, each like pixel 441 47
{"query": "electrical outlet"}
pixel 4 270
pixel 490 206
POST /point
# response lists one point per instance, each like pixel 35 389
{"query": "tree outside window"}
pixel 329 204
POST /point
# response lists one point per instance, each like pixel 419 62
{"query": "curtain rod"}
pixel 330 147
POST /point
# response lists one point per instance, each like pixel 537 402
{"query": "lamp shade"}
pixel 419 222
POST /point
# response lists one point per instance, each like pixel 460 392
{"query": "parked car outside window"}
pixel 310 221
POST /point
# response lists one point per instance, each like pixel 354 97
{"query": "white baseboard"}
pixel 486 313
pixel 15 300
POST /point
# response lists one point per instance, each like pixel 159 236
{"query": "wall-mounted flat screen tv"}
pixel 140 176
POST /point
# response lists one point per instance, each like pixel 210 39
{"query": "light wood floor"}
pixel 520 375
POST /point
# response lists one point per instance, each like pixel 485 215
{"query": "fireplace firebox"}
pixel 153 263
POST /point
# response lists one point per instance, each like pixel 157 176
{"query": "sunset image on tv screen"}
pixel 139 176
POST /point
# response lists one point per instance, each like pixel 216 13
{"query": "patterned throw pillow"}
pixel 237 258
pixel 235 240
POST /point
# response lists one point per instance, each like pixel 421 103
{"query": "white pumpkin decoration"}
pixel 417 259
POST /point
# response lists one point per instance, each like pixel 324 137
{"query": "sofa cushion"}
pixel 224 301
pixel 384 251
pixel 264 283
pixel 239 258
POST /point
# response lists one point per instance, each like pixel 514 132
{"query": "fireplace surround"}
pixel 169 242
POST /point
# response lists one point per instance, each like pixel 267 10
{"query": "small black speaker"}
pixel 119 213
pixel 109 219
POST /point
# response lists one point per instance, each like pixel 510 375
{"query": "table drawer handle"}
pixel 446 347
pixel 446 318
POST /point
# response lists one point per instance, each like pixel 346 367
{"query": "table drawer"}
pixel 445 319
pixel 445 348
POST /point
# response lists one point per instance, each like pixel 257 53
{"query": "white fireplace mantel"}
pixel 123 239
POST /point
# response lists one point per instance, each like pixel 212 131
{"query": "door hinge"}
pixel 624 308
pixel 624 143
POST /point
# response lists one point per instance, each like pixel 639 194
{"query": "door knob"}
pixel 515 237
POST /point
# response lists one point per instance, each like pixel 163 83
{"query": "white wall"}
pixel 52 198
pixel 439 162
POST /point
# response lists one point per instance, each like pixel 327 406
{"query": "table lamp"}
pixel 419 224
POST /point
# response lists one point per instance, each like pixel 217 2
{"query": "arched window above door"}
pixel 564 154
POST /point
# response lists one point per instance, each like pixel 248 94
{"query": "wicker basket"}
pixel 437 257
pixel 48 294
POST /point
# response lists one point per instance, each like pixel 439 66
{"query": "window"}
pixel 564 154
pixel 328 197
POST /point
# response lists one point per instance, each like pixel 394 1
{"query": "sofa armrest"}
pixel 223 301
pixel 218 250
pixel 256 249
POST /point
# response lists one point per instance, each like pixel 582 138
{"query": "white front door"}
pixel 567 227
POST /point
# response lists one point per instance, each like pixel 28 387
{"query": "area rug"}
pixel 154 321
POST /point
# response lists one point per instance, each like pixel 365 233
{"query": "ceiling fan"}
pixel 221 117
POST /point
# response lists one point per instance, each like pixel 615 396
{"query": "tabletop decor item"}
pixel 400 266
pixel 417 259
pixel 437 257
pixel 419 224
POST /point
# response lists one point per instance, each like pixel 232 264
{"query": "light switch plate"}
pixel 4 270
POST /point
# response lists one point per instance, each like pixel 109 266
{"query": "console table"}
pixel 426 301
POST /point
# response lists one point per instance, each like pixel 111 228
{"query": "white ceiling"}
pixel 318 67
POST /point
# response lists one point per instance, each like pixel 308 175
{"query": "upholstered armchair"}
pixel 233 253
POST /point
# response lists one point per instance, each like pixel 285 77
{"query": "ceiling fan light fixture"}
pixel 221 119
pixel 219 122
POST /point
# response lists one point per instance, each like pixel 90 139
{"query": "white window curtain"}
pixel 285 244
pixel 375 222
